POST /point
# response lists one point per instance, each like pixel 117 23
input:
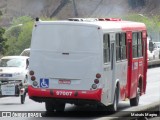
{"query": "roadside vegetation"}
pixel 18 35
pixel 152 22
pixel 3 40
pixel 15 38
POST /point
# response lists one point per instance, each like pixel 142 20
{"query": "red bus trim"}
pixel 70 94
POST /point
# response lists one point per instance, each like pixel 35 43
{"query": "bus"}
pixel 93 61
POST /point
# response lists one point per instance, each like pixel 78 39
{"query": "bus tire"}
pixel 114 107
pixel 60 107
pixel 49 106
pixel 135 101
pixel 23 98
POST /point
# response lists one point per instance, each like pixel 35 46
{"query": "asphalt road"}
pixel 86 112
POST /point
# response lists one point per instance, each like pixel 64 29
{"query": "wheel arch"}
pixel 117 85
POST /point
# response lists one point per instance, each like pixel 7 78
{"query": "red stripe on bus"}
pixel 70 94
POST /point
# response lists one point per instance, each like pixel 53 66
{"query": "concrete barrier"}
pixel 153 63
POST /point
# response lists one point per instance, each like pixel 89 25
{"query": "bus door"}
pixel 129 57
pixel 109 58
pixel 145 65
pixel 133 65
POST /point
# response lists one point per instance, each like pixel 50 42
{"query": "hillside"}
pixel 62 9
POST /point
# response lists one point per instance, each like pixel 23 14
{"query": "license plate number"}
pixel 64 81
pixel 8 89
pixel 63 93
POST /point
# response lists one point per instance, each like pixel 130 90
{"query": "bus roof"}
pixel 104 25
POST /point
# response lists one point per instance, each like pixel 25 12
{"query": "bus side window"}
pixel 134 45
pixel 118 49
pixel 106 48
pixel 123 46
pixel 120 46
pixel 140 45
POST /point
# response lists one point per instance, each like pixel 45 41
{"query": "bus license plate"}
pixel 64 81
pixel 8 89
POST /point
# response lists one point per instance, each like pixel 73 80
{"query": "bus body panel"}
pixel 43 94
pixel 66 71
pixel 134 78
pixel 121 75
pixel 109 73
pixel 137 67
pixel 67 56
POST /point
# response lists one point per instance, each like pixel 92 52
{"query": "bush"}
pixel 3 46
pixel 19 35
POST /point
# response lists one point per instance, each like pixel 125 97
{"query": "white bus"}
pixel 87 61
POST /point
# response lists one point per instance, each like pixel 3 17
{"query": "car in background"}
pixel 13 68
pixel 152 52
pixel 157 47
pixel 13 76
pixel 25 52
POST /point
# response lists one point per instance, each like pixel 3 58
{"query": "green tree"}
pixel 152 23
pixel 21 20
pixel 3 46
pixel 24 38
pixel 19 35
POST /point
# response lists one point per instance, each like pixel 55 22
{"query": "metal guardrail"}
pixel 153 63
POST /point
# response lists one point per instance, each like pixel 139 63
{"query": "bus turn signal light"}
pixel 31 72
pixel 33 78
pixel 96 81
pixel 98 75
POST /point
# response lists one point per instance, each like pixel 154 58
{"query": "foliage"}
pixel 21 20
pixel 1 13
pixel 19 35
pixel 24 38
pixel 152 23
pixel 3 46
